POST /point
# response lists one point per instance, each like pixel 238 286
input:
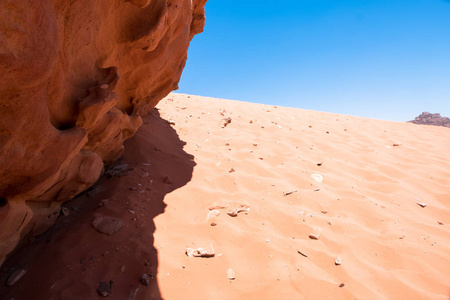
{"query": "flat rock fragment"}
pixel 200 252
pixel 145 279
pixel 231 274
pixel 212 214
pixel 314 236
pixel 107 225
pixel 317 177
pixel 104 289
pixel 301 253
pixel 234 212
pixel 15 276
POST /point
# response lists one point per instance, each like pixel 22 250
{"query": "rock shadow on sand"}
pixel 72 258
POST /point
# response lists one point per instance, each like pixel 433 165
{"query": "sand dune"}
pixel 363 213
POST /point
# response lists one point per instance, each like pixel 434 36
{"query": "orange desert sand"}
pixel 333 207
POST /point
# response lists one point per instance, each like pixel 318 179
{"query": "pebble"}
pixel 213 224
pixel 396 144
pixel 314 236
pixel 240 208
pixel 317 177
pixel 200 252
pixel 232 213
pixel 226 122
pixel 145 279
pixel 65 211
pixel 421 204
pixel 104 289
pixel 289 193
pixel 338 261
pixel 213 214
pixel 440 223
pixel 301 253
pixel 342 285
pixel 15 276
pixel 167 180
pixel 231 274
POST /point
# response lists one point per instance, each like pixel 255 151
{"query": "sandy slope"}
pixel 364 212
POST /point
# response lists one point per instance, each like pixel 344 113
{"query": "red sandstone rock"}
pixel 76 77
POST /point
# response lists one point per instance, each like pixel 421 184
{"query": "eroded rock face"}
pixel 76 77
pixel 427 118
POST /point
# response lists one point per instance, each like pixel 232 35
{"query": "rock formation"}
pixel 427 118
pixel 76 77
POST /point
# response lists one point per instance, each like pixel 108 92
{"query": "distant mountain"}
pixel 427 118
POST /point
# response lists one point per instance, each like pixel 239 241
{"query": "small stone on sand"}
pixel 199 252
pixel 145 279
pixel 288 193
pixel 212 214
pixel 107 225
pixel 226 122
pixel 65 211
pixel 104 289
pixel 15 276
pixel 213 207
pixel 314 236
pixel 338 261
pixel 301 253
pixel 317 177
pixel 240 208
pixel 231 274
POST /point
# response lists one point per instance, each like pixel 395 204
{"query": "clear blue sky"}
pixel 382 59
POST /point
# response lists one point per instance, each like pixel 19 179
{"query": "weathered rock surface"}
pixel 76 77
pixel 107 225
pixel 427 118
